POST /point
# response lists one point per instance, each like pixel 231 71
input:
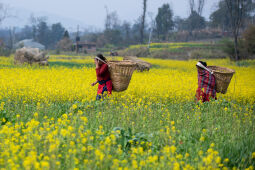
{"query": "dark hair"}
pixel 203 63
pixel 101 57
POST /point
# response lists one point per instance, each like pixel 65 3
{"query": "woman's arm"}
pixel 93 84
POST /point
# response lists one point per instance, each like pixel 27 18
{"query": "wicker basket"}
pixel 223 77
pixel 121 73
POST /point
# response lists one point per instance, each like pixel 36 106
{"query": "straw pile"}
pixel 141 65
pixel 30 56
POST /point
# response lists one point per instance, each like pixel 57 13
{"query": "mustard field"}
pixel 50 119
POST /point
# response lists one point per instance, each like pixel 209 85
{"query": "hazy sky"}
pixel 93 12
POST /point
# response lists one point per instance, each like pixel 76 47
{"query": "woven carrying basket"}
pixel 223 77
pixel 121 73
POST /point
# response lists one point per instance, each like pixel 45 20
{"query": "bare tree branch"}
pixel 3 12
pixel 192 5
pixel 201 4
pixel 143 20
pixel 237 10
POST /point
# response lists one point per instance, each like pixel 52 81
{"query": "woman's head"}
pixel 203 63
pixel 101 59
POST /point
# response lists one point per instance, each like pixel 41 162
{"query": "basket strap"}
pixel 102 60
pixel 201 65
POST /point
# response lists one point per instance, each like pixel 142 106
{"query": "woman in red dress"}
pixel 206 84
pixel 103 77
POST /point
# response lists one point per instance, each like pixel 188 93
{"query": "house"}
pixel 30 43
pixel 85 47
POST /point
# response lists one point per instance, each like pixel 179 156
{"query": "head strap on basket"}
pixel 101 60
pixel 199 64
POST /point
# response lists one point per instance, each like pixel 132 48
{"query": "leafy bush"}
pixel 198 54
pixel 5 52
pixel 228 47
pixel 249 40
pixel 138 52
pixel 166 54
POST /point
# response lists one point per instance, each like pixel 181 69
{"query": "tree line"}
pixel 230 17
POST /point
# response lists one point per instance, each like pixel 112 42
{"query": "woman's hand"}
pixel 97 63
pixel 93 84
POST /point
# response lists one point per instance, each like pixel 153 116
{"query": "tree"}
pixel 112 32
pixel 11 37
pixel 164 21
pixel 200 8
pixel 34 22
pixel 112 20
pixel 220 18
pixel 56 33
pixel 126 29
pixel 66 34
pixel 249 39
pixel 143 21
pixel 192 5
pixel 113 36
pixel 43 34
pixel 65 43
pixel 179 23
pixel 26 33
pixel 237 11
pixel 3 12
pixel 195 21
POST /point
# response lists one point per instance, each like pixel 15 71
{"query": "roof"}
pixel 29 43
pixel 85 43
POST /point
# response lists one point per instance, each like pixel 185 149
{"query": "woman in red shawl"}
pixel 206 84
pixel 103 77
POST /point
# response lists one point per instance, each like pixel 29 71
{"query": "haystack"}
pixel 30 55
pixel 141 65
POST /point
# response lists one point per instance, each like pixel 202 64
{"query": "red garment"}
pixel 104 80
pixel 206 86
pixel 105 87
pixel 103 72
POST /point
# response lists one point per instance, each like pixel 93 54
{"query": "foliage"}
pixel 5 51
pixel 245 48
pixel 65 44
pixel 220 17
pixel 43 33
pixel 229 48
pixel 66 34
pixel 164 21
pixel 195 21
pixel 238 11
pixel 175 50
pixel 249 39
pixel 209 54
pixel 138 52
pixel 56 33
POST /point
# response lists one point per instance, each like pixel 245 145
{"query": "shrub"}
pixel 199 54
pixel 65 44
pixel 249 39
pixel 166 54
pixel 5 52
pixel 229 48
pixel 138 52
